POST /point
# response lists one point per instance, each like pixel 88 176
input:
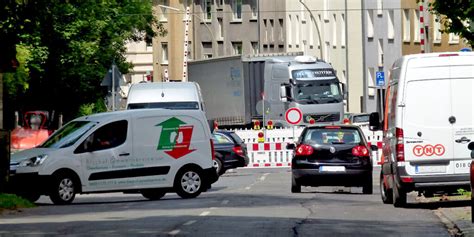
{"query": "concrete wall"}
pixel 273 26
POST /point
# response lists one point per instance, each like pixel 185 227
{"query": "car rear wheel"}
pixel 368 187
pixel 217 164
pixel 399 197
pixel 63 190
pixel 189 183
pixel 153 194
pixel 295 186
pixel 385 193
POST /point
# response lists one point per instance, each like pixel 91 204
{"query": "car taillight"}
pixel 399 147
pixel 360 151
pixel 212 150
pixel 238 150
pixel 304 150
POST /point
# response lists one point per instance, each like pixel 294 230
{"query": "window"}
pixel 108 136
pixel 390 25
pixel 236 6
pixel 453 38
pixel 370 23
pixel 272 31
pixel 164 11
pixel 406 25
pixel 436 29
pixel 207 8
pixel 379 7
pixel 371 81
pixel 265 27
pixel 164 53
pixel 297 29
pixel 380 53
pixel 148 40
pixel 334 30
pixel 237 48
pixel 254 47
pixel 253 6
pixel 280 22
pixel 290 31
pixel 416 26
pixel 220 30
pixel 220 139
pixel 342 25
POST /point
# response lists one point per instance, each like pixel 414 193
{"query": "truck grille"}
pixel 321 117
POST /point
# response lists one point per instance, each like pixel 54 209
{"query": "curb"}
pixel 453 229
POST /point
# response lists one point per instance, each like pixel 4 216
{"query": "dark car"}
pixel 230 151
pixel 331 156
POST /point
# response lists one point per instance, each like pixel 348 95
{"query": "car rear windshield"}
pixel 165 105
pixel 236 138
pixel 332 136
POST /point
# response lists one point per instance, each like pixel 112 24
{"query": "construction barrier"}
pixel 270 150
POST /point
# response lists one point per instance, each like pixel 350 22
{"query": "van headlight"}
pixel 34 161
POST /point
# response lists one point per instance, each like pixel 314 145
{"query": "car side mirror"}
pixel 374 122
pixel 471 147
pixel 290 146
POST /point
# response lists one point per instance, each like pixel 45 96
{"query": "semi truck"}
pixel 238 90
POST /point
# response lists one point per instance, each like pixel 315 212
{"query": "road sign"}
pixel 293 116
pixel 380 78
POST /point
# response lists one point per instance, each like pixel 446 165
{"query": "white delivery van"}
pixel 147 151
pixel 166 95
pixel 428 122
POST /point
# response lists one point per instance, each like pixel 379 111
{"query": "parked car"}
pixel 230 151
pixel 331 156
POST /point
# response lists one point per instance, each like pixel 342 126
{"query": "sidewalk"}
pixel 457 220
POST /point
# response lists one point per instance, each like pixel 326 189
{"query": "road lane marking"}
pixel 213 208
pixel 190 222
pixel 205 213
pixel 247 188
pixel 174 232
pixel 225 202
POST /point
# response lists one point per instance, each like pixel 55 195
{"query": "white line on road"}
pixel 174 232
pixel 225 202
pixel 190 222
pixel 205 213
pixel 247 188
pixel 213 208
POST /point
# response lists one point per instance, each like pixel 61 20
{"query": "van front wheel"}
pixel 63 190
pixel 399 197
pixel 189 183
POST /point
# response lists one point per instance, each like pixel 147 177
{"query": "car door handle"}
pixel 463 140
pixel 124 154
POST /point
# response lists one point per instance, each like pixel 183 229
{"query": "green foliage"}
pixel 457 16
pixel 11 201
pixel 67 47
pixel 464 192
pixel 92 108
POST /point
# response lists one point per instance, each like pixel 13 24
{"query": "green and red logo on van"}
pixel 175 138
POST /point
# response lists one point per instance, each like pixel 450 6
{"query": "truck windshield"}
pixel 68 134
pixel 165 105
pixel 318 91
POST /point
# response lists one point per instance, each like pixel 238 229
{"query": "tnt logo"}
pixel 429 150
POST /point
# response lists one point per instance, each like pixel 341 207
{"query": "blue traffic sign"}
pixel 380 78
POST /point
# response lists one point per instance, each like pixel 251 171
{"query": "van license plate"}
pixel 462 167
pixel 425 169
pixel 332 169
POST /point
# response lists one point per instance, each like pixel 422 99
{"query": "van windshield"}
pixel 165 105
pixel 68 134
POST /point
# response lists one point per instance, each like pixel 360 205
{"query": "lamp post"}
pixel 317 28
pixel 185 34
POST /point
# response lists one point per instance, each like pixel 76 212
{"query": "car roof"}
pixel 333 126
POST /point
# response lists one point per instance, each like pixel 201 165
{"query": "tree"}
pixel 70 46
pixel 457 16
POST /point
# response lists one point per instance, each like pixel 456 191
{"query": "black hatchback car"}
pixel 331 156
pixel 230 151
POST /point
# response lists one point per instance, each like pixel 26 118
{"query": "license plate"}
pixel 462 167
pixel 332 168
pixel 425 169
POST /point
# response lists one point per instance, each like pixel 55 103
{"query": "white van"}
pixel 428 122
pixel 148 151
pixel 165 95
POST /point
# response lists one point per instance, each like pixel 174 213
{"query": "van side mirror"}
pixel 374 122
pixel 290 146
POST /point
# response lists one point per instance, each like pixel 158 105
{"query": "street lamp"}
pixel 200 18
pixel 317 28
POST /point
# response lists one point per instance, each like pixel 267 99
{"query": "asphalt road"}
pixel 244 202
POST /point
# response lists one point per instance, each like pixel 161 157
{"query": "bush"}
pixel 11 201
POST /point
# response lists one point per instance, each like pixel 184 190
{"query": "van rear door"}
pixel 428 134
pixel 462 87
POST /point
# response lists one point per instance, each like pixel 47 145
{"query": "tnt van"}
pixel 148 151
pixel 427 124
pixel 165 95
